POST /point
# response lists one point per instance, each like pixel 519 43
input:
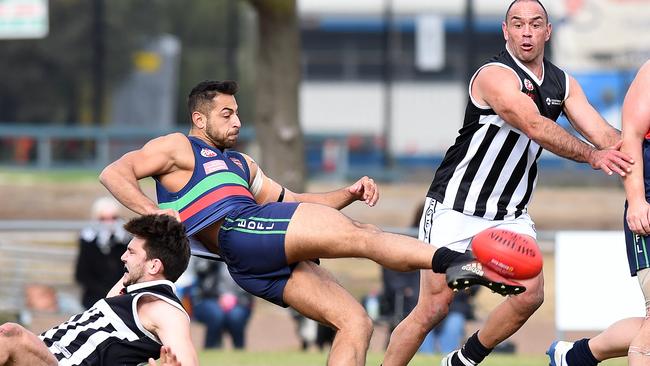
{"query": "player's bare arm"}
pixel 586 120
pixel 159 157
pixel 170 325
pixel 266 190
pixel 116 289
pixel 636 123
pixel 499 88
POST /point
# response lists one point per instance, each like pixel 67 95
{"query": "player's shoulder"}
pixel 170 141
pixel 497 75
pixel 644 70
pixel 174 137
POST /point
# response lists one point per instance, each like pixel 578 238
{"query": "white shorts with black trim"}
pixel 444 227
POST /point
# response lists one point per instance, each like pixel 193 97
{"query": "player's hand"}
pixel 167 358
pixel 168 211
pixel 365 190
pixel 638 218
pixel 611 160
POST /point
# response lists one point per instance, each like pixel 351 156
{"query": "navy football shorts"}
pixel 638 248
pixel 251 241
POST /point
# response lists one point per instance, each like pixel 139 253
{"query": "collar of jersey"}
pixel 138 286
pixel 527 70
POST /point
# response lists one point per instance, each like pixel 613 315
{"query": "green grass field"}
pixel 54 176
pixel 233 358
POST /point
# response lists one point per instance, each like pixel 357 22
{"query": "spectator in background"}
pixel 101 245
pixel 220 304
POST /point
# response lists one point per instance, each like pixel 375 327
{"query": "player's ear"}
pixel 199 119
pixel 155 266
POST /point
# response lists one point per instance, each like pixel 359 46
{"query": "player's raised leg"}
pixel 318 231
pixel 314 293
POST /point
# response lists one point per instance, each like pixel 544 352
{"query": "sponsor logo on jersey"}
pixel 214 166
pixel 528 84
pixel 64 351
pixel 237 162
pixel 207 153
pixel 550 101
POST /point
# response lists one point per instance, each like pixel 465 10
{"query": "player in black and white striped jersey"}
pixel 488 175
pixel 131 325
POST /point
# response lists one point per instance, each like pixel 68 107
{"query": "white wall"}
pixel 593 286
pixel 412 7
pixel 425 116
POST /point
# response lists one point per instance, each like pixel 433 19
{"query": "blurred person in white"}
pixel 101 244
pixel 220 304
pixel 140 319
pixel 627 337
pixel 488 175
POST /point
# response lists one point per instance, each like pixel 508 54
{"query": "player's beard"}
pixel 133 276
pixel 221 143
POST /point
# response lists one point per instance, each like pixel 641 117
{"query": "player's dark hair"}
pixel 517 1
pixel 200 98
pixel 165 239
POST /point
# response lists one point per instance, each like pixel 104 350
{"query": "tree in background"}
pixel 276 92
pixel 50 80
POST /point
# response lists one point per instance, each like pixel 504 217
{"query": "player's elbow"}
pixel 532 127
pixel 105 174
pixel 108 174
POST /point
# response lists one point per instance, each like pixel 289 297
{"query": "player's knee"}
pixel 530 301
pixel 374 229
pixel 10 330
pixel 9 340
pixel 359 324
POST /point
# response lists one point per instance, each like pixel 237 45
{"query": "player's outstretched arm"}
pixel 265 190
pixel 155 158
pixel 499 88
pixel 586 120
pixel 636 124
pixel 171 326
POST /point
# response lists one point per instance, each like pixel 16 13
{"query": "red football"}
pixel 508 253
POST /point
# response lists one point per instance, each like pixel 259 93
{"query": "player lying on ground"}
pixel 139 315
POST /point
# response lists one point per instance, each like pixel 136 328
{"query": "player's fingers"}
pixel 152 362
pixel 604 168
pixel 164 354
pixel 354 189
pixel 368 190
pixel 622 161
pixel 374 198
pixel 624 156
pixel 637 227
pixel 645 225
pixel 614 167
